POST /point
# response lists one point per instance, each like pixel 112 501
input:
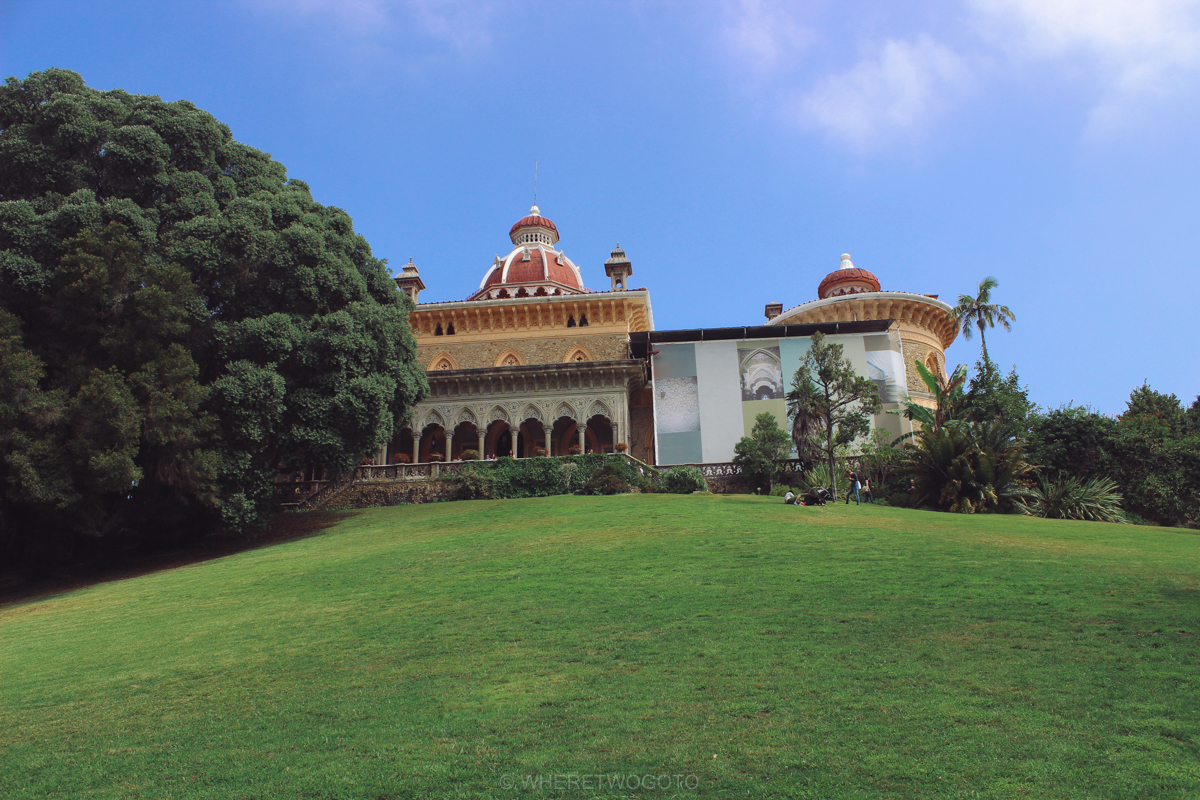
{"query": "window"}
pixel 450 329
pixel 438 330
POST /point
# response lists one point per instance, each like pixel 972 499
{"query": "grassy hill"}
pixel 713 646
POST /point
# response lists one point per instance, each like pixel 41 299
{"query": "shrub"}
pixel 574 450
pixel 474 484
pixel 815 477
pixel 436 457
pixel 779 490
pixel 1069 498
pixel 469 455
pixel 539 451
pixel 400 458
pixel 682 480
pixel 621 447
pixel 608 480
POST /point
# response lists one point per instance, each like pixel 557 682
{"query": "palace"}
pixel 534 362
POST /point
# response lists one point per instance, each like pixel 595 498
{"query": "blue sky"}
pixel 734 148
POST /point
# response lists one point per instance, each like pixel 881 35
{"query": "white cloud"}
pixel 1133 52
pixel 892 95
pixel 764 33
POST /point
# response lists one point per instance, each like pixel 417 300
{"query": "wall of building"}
pixel 541 350
pixel 708 394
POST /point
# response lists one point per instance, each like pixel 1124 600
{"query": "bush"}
pixel 779 490
pixel 1069 498
pixel 608 480
pixel 682 480
pixel 474 484
pixel 469 455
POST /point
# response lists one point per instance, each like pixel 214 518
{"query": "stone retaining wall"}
pixel 373 494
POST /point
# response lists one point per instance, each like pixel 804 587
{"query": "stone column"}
pixel 482 441
pixel 616 429
pixel 383 454
pixel 449 440
pixel 582 426
pixel 416 446
pixel 548 430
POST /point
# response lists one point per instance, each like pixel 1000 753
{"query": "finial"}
pixel 846 262
pixel 533 212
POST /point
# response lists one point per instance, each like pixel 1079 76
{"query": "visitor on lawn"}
pixel 853 488
pixel 866 490
pixel 789 498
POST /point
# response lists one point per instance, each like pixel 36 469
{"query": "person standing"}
pixel 866 490
pixel 853 488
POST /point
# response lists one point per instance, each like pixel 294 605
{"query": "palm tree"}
pixel 982 313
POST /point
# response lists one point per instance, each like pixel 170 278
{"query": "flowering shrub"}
pixel 469 455
pixel 574 450
pixel 436 457
pixel 621 447
pixel 400 458
pixel 539 451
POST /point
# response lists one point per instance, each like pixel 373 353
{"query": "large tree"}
pixel 178 320
pixel 827 388
pixel 980 312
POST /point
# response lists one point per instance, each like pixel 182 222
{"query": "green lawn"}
pixel 740 646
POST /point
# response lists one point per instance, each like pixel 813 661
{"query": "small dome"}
pixel 847 279
pixel 533 228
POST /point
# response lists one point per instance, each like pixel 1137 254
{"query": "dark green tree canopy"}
pixel 758 455
pixel 171 282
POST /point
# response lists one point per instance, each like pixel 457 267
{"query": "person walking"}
pixel 853 488
pixel 866 490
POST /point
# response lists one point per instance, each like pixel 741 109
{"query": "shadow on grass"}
pixel 81 574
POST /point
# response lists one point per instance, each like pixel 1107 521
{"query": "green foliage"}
pixel 474 484
pixel 992 396
pixel 607 480
pixel 508 478
pixel 180 320
pixel 817 476
pixel 758 455
pixel 469 455
pixel 980 312
pixel 1096 500
pixel 967 468
pixel 1151 452
pixel 827 389
pixel 682 480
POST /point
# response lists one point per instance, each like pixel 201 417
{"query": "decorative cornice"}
pixel 532 379
pixel 473 319
pixel 914 309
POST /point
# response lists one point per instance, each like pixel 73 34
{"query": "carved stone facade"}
pixel 542 350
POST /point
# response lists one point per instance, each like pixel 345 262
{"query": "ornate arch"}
pixel 431 417
pixel 509 358
pixel 599 408
pixel 496 414
pixel 578 353
pixel 565 409
pixel 465 415
pixel 533 412
pixel 931 362
pixel 442 360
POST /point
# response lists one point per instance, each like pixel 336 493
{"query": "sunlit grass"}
pixel 439 650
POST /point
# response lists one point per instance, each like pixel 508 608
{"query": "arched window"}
pixel 583 320
pixel 438 330
pixel 450 329
pixel 571 321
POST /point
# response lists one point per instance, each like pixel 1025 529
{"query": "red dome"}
pixel 534 220
pixel 542 266
pixel 852 280
pixel 531 222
